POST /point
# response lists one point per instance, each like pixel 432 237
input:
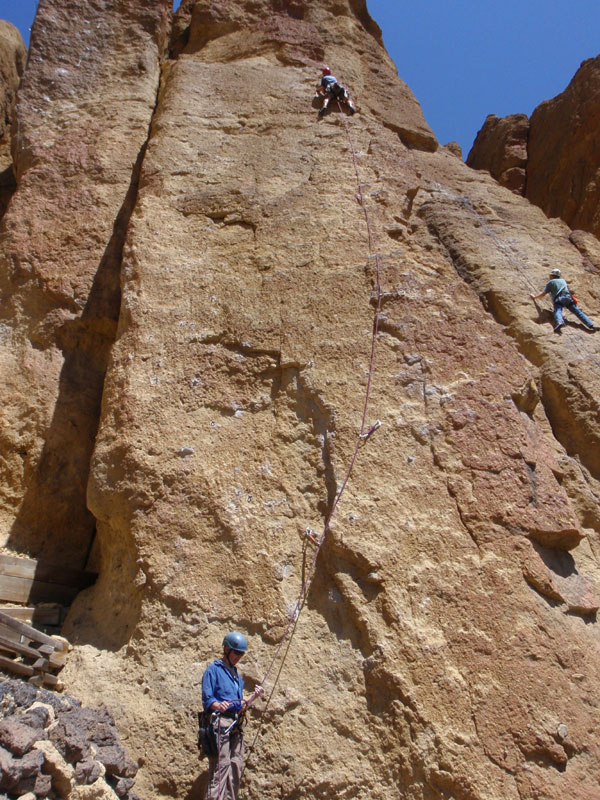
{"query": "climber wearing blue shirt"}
pixel 222 693
pixel 222 685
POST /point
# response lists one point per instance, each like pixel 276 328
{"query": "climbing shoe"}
pixel 558 327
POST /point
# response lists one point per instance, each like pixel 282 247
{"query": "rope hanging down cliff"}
pixel 364 434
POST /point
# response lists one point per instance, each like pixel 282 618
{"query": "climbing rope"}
pixel 362 436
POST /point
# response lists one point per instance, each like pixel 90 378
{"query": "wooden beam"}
pixel 18 647
pixel 41 615
pixel 14 589
pixel 32 633
pixel 15 666
pixel 19 612
pixel 45 678
pixel 18 567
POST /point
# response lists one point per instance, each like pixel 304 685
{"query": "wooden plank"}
pixel 32 633
pixel 47 615
pixel 15 666
pixel 52 680
pixel 25 590
pixel 18 647
pixel 19 612
pixel 57 660
pixel 40 615
pixel 45 678
pixel 9 633
pixel 18 567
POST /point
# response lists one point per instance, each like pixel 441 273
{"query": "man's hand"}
pixel 256 693
pixel 223 706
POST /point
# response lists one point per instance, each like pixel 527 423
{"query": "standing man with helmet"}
pixel 562 298
pixel 328 88
pixel 222 694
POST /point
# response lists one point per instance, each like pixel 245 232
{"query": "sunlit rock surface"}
pixel 448 647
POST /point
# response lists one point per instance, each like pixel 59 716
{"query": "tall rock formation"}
pixel 553 158
pixel 501 148
pixel 84 108
pixel 448 646
pixel 563 167
pixel 12 63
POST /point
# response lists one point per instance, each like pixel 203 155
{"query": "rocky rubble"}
pixel 53 747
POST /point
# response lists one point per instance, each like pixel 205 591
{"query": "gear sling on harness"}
pixel 208 724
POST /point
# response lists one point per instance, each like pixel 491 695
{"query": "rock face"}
pixel 553 158
pixel 563 163
pixel 448 646
pixel 83 117
pixel 501 149
pixel 12 63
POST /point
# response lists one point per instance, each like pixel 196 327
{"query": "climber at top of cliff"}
pixel 222 693
pixel 562 298
pixel 330 87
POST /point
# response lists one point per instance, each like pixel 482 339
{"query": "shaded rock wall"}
pixel 553 158
pixel 83 116
pixel 448 647
pixel 563 163
pixel 12 62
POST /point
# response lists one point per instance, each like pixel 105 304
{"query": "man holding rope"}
pixel 222 693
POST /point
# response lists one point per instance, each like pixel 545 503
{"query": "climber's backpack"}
pixel 208 733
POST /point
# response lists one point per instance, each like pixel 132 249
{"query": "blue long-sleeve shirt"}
pixel 219 683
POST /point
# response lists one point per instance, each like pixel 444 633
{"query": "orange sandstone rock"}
pixel 552 158
pixel 501 148
pixel 448 645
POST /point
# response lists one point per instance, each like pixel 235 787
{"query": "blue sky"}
pixel 465 59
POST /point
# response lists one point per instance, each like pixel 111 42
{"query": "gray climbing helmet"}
pixel 236 641
pixel 555 273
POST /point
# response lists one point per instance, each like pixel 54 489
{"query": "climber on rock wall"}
pixel 222 692
pixel 562 298
pixel 328 88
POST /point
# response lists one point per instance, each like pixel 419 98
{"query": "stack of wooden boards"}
pixel 27 652
pixel 40 595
